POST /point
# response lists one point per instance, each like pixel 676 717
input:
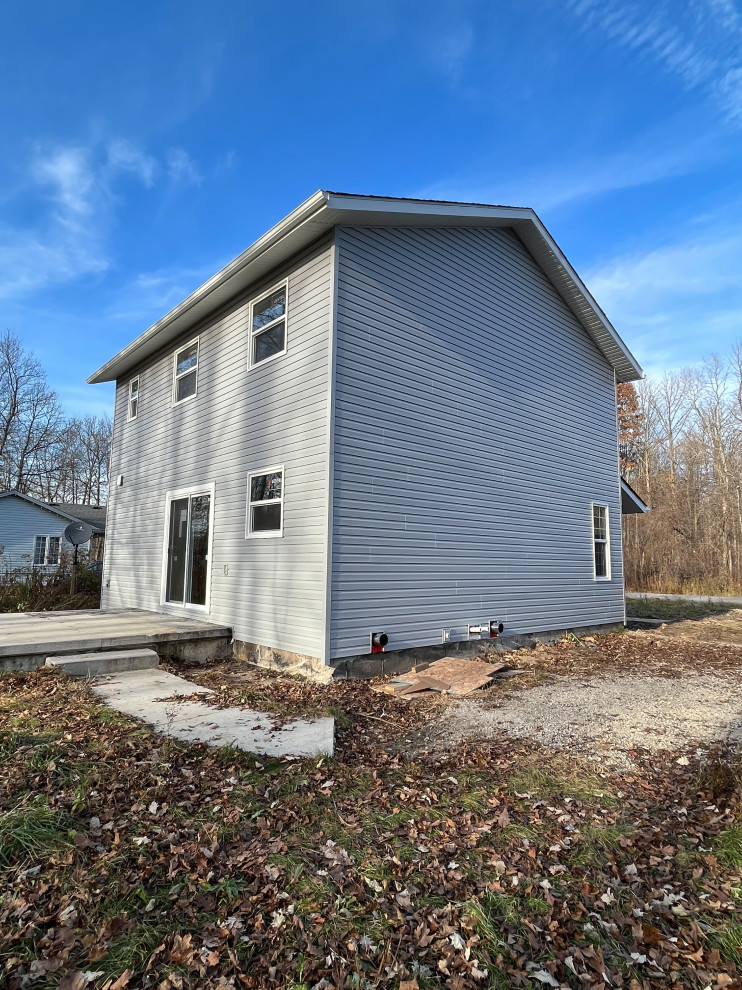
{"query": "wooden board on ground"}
pixel 449 675
pixel 463 676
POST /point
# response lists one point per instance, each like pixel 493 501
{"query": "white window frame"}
pixel 176 376
pixel 250 534
pixel 129 416
pixel 606 541
pixel 46 562
pixel 173 607
pixel 253 335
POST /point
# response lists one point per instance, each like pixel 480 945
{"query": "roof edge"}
pixel 631 495
pixel 39 504
pixel 304 212
pixel 324 210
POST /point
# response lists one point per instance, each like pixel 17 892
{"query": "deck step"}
pixel 107 662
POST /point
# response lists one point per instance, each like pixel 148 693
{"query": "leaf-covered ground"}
pixel 131 860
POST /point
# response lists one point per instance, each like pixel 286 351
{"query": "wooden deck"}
pixel 28 638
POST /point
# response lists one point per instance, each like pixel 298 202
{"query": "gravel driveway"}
pixel 609 715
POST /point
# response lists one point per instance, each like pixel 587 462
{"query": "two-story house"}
pixel 388 420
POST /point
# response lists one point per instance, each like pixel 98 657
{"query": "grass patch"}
pixel 132 950
pixel 31 831
pixel 563 777
pixel 13 740
pixel 672 610
pixel 728 848
pixel 595 841
pixel 728 940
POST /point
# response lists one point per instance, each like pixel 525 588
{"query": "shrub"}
pixel 35 591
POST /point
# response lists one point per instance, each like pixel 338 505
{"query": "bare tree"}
pixel 690 471
pixel 42 453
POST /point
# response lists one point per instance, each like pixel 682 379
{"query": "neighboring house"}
pixel 32 532
pixel 387 416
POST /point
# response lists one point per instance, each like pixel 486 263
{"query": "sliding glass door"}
pixel 187 575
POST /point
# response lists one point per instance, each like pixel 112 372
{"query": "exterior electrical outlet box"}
pixel 454 634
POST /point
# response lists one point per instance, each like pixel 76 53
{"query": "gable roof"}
pixel 631 503
pixel 93 515
pixel 324 210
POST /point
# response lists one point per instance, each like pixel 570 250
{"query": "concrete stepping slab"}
pixel 108 662
pixel 144 694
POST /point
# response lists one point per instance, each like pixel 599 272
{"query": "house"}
pixel 389 423
pixel 32 532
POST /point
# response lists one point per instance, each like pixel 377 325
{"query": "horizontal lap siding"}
pixel 474 424
pixel 240 421
pixel 20 524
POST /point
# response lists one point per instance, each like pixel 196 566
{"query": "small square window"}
pixel 601 543
pixel 265 503
pixel 268 316
pixel 133 398
pixel 186 372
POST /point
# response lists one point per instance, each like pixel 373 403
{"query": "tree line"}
pixel 43 452
pixel 681 449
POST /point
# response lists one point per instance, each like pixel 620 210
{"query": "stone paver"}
pixel 143 694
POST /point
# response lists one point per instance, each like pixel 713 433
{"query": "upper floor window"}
pixel 185 372
pixel 46 551
pixel 601 543
pixel 268 315
pixel 133 398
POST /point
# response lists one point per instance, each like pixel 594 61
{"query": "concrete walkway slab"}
pixel 142 694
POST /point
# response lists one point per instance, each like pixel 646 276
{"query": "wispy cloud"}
pixel 72 191
pixel 578 181
pixel 698 42
pixel 123 156
pixel 181 168
pixel 149 295
pixel 449 47
pixel 676 303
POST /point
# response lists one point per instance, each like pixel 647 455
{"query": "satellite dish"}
pixel 77 533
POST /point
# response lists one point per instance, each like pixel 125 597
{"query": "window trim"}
pixel 253 335
pixel 250 534
pixel 176 376
pixel 606 541
pixel 46 562
pixel 129 417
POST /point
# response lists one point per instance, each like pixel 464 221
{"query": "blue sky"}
pixel 145 145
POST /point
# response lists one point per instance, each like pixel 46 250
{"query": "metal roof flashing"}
pixel 325 210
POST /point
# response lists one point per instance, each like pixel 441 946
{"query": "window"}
pixel 265 503
pixel 268 325
pixel 186 372
pixel 133 397
pixel 601 543
pixel 46 551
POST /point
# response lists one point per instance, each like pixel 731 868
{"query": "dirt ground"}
pixel 726 628
pixel 613 698
pixel 129 859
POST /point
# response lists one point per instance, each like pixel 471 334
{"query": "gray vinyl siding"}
pixel 474 426
pixel 20 524
pixel 271 591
